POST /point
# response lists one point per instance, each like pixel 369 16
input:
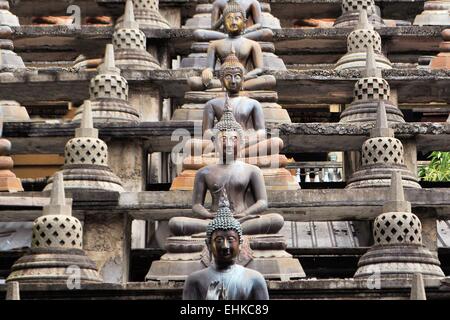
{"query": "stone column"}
pixel 107 242
pixel 410 154
pixel 146 99
pixel 429 233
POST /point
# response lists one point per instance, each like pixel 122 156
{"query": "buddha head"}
pixel 228 134
pixel 232 73
pixel 224 234
pixel 234 18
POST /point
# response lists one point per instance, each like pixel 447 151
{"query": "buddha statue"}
pixel 248 112
pixel 248 52
pixel 244 183
pixel 224 279
pixel 245 187
pixel 256 149
pixel 251 12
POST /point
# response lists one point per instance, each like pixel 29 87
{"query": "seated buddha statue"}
pixel 243 183
pixel 251 11
pixel 224 279
pixel 246 111
pixel 247 51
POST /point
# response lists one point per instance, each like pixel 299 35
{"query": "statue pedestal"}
pixel 197 59
pixel 192 110
pixel 278 178
pixel 263 253
pixel 436 13
pixel 442 60
pixel 12 111
pixel 271 260
pixel 183 257
pixel 8 180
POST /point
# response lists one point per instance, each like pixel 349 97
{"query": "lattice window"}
pixel 359 40
pixel 57 231
pixel 371 88
pixel 109 86
pixel 129 39
pixel 382 150
pixel 86 151
pixel 397 227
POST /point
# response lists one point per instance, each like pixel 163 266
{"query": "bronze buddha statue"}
pixel 247 51
pixel 224 279
pixel 252 13
pixel 244 184
pixel 248 113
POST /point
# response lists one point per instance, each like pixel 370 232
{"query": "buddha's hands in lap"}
pixel 216 291
pixel 241 218
pixel 207 76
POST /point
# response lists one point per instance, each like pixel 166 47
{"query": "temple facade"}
pixel 135 133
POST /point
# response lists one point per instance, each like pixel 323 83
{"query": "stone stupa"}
pixel 9 61
pixel 382 154
pixel 86 160
pixel 56 247
pixel 351 10
pixel 358 41
pixel 367 93
pixel 398 252
pixel 109 94
pixel 147 15
pixel 130 44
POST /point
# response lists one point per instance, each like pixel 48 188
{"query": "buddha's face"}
pixel 234 23
pixel 232 80
pixel 224 246
pixel 227 143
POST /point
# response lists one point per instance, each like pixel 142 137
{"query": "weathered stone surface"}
pixel 107 242
pixel 297 137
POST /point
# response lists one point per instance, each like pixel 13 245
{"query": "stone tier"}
pixel 54 265
pixel 398 261
pixel 365 111
pixel 379 176
pixel 91 177
pixel 110 110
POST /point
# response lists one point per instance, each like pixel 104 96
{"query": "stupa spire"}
pixel 129 21
pixel 109 64
pixel 363 22
pixel 397 202
pixel 86 128
pixel 381 125
pixel 57 204
pixel 372 69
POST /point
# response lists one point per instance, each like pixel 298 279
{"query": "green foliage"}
pixel 438 169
